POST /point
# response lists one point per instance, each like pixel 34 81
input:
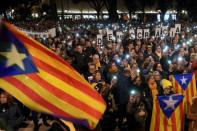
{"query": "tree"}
pixel 96 5
pixel 111 6
pixel 191 7
pixel 163 5
pixel 131 6
pixel 146 4
pixel 6 5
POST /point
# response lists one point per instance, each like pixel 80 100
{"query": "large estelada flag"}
pixel 43 81
pixel 186 85
pixel 168 113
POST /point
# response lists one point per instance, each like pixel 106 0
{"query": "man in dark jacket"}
pixel 136 111
pixel 123 87
pixel 80 61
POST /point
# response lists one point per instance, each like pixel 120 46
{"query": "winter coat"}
pixel 11 115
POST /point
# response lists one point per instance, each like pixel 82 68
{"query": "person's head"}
pixel 113 67
pixel 149 48
pixel 158 49
pixel 5 98
pixel 150 79
pixel 130 45
pixel 126 71
pixel 134 66
pixel 121 49
pixel 181 51
pixel 87 43
pixel 195 48
pixel 79 48
pixel 116 56
pixel 167 86
pixel 138 42
pixel 92 67
pixel 157 75
pixel 97 75
pixel 193 57
pixel 174 42
pixel 135 95
pixel 137 48
pixel 158 67
pixel 96 58
pixel 137 81
pixel 125 62
pixel 191 50
pixel 140 56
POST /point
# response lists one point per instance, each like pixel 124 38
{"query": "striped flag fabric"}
pixel 186 85
pixel 44 82
pixel 168 113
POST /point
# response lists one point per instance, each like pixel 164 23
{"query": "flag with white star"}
pixel 168 113
pixel 183 80
pixel 44 82
pixel 185 84
pixel 14 58
pixel 169 103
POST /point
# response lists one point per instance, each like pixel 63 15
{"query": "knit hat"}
pixel 166 83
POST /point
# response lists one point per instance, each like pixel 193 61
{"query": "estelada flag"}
pixel 168 113
pixel 186 85
pixel 43 81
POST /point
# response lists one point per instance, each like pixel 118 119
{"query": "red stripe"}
pixel 165 123
pixel 25 40
pixel 173 121
pixel 192 87
pixel 69 80
pixel 65 97
pixel 157 120
pixel 187 96
pixel 176 87
pixel 36 98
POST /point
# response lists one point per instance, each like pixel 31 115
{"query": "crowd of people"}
pixel 129 74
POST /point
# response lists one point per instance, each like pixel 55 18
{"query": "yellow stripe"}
pixel 154 115
pixel 22 97
pixel 178 118
pixel 37 52
pixel 190 92
pixel 55 63
pixel 161 127
pixel 66 107
pixel 194 84
pixel 173 84
pixel 71 91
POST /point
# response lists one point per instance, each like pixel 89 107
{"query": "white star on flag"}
pixel 14 57
pixel 183 80
pixel 170 103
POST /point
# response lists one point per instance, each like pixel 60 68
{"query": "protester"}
pixel 10 114
pixel 115 68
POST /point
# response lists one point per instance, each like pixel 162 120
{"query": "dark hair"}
pixel 9 97
pixel 147 78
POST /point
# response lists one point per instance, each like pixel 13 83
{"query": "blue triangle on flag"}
pixel 14 57
pixel 169 103
pixel 183 80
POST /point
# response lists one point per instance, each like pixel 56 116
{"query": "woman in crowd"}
pixel 10 114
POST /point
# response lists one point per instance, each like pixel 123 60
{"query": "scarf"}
pixel 153 88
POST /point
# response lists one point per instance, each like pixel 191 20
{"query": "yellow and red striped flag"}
pixel 43 81
pixel 185 84
pixel 168 113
